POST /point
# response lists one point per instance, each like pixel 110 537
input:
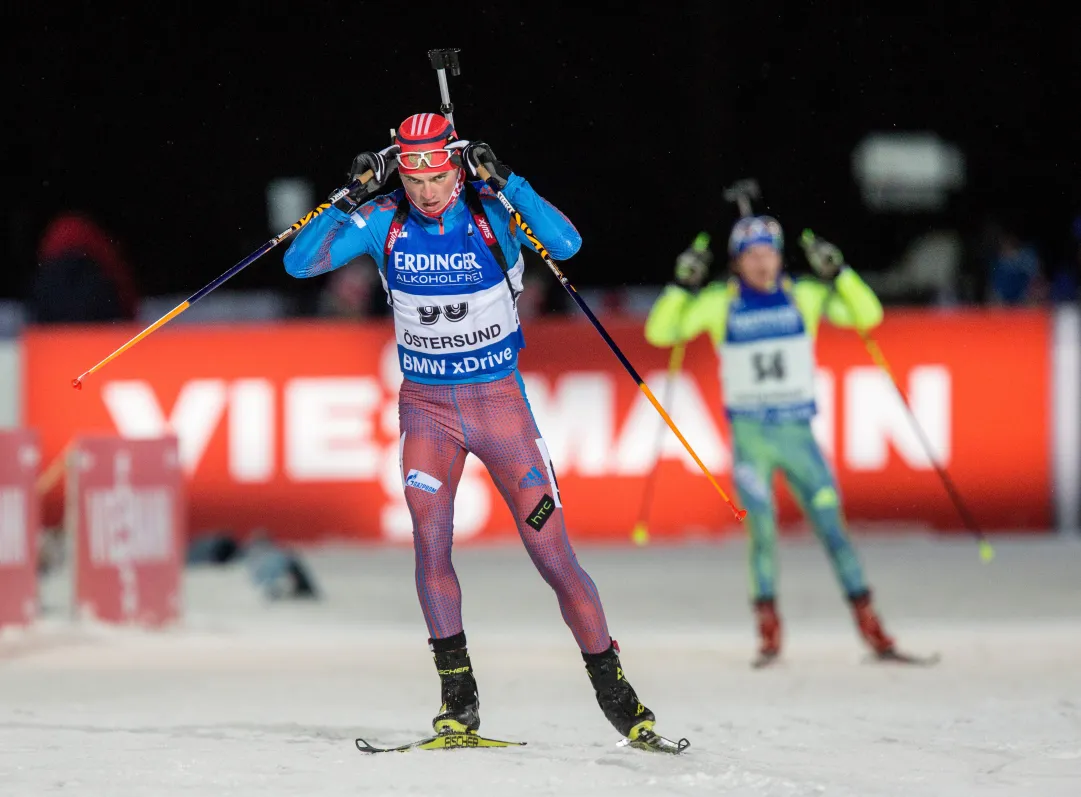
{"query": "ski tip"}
pixel 897 657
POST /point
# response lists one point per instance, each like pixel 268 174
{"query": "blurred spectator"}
pixel 929 271
pixel 534 300
pixel 81 277
pixel 352 291
pixel 1015 277
pixel 1066 278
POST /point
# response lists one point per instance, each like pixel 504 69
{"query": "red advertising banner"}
pixel 126 518
pixel 293 428
pixel 19 527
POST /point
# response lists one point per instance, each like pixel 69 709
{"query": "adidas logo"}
pixel 533 479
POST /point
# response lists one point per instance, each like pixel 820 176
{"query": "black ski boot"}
pixel 460 712
pixel 615 695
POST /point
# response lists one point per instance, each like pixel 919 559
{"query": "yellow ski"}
pixel 441 741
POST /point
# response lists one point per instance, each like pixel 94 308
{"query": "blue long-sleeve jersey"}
pixel 455 314
pixel 334 238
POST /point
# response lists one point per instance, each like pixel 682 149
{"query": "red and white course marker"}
pixel 125 515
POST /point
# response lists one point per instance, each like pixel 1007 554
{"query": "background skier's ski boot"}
pixel 460 712
pixel 615 695
pixel 769 631
pixel 870 627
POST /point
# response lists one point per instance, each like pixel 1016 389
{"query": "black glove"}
pixel 692 265
pixel 382 165
pixel 472 154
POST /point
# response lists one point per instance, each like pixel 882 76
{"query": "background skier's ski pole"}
pixel 77 383
pixel 640 532
pixel 987 553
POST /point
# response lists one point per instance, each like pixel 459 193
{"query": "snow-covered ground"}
pixel 251 698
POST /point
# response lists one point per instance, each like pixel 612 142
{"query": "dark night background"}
pixel 167 124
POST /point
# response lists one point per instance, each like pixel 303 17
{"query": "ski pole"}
pixel 77 383
pixel 987 553
pixel 640 533
pixel 543 252
pixel 444 59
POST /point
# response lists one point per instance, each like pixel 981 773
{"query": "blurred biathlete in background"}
pixel 449 256
pixel 763 324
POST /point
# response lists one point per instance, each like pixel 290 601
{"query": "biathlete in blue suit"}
pixel 449 255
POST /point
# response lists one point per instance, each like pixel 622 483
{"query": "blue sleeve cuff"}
pixel 516 183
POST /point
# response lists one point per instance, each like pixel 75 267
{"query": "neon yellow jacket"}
pixel 678 316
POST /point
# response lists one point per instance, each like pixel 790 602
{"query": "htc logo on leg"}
pixel 541 512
